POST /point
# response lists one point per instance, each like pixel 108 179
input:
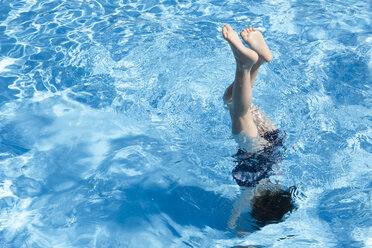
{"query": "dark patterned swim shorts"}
pixel 253 167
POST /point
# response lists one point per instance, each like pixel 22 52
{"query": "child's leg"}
pixel 255 69
pixel 254 39
pixel 241 89
pixel 227 96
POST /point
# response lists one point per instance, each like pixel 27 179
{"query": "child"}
pixel 257 136
pixel 238 96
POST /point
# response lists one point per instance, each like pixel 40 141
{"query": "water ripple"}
pixel 112 128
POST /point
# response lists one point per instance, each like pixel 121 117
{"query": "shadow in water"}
pixel 186 205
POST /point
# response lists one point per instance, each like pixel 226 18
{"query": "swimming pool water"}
pixel 113 131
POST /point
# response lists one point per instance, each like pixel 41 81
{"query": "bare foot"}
pixel 256 41
pixel 245 57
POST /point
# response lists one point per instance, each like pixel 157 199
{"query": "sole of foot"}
pixel 255 40
pixel 244 56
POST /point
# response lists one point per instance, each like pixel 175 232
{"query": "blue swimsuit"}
pixel 253 167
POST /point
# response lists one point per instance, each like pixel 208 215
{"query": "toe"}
pixel 228 27
pixel 244 33
pixel 224 32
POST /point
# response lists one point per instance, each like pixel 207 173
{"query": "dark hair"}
pixel 270 205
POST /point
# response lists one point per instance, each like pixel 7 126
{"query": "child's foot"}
pixel 245 57
pixel 256 41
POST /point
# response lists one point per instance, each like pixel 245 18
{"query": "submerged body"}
pixel 251 167
pixel 257 136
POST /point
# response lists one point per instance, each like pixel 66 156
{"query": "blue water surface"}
pixel 113 131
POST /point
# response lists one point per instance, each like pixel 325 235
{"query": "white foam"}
pixel 364 235
pixel 6 62
pixel 5 189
